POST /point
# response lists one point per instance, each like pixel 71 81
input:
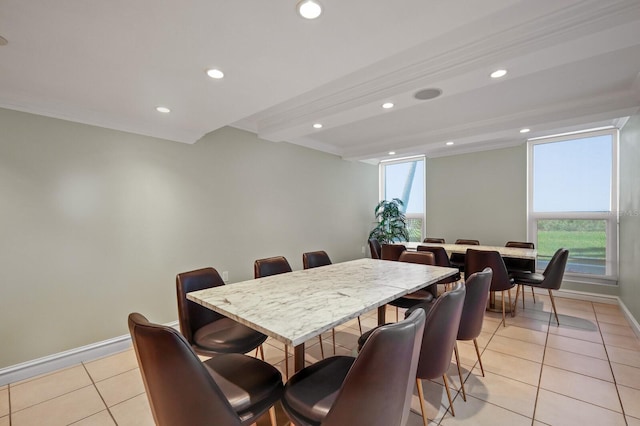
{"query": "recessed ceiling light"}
pixel 449 143
pixel 215 73
pixel 3 41
pixel 498 73
pixel 317 126
pixel 163 109
pixel 387 105
pixel 525 130
pixel 392 153
pixel 309 9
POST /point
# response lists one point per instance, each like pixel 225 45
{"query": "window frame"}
pixel 610 217
pixel 382 181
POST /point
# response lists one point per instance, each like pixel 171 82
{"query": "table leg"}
pixel 298 357
pixel 381 314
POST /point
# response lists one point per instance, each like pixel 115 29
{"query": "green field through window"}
pixel 585 239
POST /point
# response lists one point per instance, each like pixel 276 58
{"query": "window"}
pixel 573 202
pixel 405 179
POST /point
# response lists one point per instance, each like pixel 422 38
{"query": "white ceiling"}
pixel 571 64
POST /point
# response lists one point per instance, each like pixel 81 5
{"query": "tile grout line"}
pixel 615 382
pixel 544 353
pixel 9 398
pixel 99 394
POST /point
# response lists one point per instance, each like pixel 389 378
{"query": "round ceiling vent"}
pixel 426 94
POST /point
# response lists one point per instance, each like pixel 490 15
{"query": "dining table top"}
pixel 514 252
pixel 296 306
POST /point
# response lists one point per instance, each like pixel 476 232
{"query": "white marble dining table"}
pixel 296 306
pixel 513 252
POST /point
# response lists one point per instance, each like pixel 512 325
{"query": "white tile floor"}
pixel 585 371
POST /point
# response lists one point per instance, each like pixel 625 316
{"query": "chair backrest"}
pixel 192 316
pixel 516 264
pixel 442 259
pixel 434 240
pixel 378 388
pixel 179 388
pixel 374 247
pixel 313 259
pixel 554 272
pixel 391 251
pixel 520 244
pixel 422 257
pixel 440 332
pixel 468 242
pixel 475 304
pixel 477 260
pixel 270 266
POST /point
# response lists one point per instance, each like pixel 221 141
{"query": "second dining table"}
pixel 297 306
pixel 513 252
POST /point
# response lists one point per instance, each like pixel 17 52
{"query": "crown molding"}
pixel 447 56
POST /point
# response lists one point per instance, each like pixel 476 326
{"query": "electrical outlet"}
pixel 225 276
pixel 364 250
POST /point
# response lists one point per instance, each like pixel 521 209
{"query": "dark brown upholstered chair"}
pixel 374 248
pixel 210 333
pixel 442 259
pixel 515 265
pixel 391 251
pixel 316 259
pixel 438 342
pixel 434 240
pixel 422 295
pixel 373 389
pixel 422 258
pixel 475 304
pixel 229 389
pixel 457 259
pixel 551 278
pixel 477 260
pixel 271 266
pixel 274 266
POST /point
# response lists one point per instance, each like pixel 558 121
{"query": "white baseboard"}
pixel 634 323
pixel 54 362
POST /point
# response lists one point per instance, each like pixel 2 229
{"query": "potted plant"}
pixel 392 223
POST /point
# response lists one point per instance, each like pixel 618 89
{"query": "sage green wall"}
pixel 630 215
pixel 96 223
pixel 481 196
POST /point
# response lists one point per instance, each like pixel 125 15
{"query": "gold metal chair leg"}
pixel 272 416
pixel 321 347
pixel 553 304
pixel 519 287
pixel 421 397
pixel 261 352
pixel 475 343
pixel 446 386
pixel 504 322
pixel 360 326
pixel 513 311
pixel 532 294
pixel 397 310
pixel 455 351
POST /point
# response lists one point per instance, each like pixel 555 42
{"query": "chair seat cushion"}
pixel 312 391
pixel 527 278
pixel 412 299
pixel 248 383
pixel 227 336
